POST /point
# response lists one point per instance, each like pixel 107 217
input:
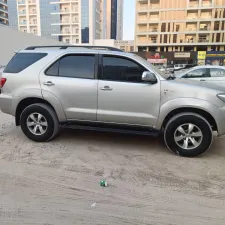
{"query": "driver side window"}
pixel 199 73
pixel 122 69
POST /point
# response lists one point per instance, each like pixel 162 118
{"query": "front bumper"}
pixel 220 121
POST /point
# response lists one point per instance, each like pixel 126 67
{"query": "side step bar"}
pixel 139 131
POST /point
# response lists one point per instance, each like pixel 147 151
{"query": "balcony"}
pixel 34 12
pixel 23 23
pixel 206 3
pixel 154 6
pixel 32 2
pixel 21 3
pixel 34 31
pixel 203 40
pixel 4 9
pixel 5 16
pixel 153 29
pixel 204 29
pixel 22 12
pixel 143 7
pixel 3 2
pixel 3 22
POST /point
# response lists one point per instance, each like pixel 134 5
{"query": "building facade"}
pixel 83 21
pixel 120 8
pixel 180 25
pixel 4 12
pixel 112 19
pixel 79 21
pixel 32 16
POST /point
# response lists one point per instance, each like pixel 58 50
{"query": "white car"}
pixel 211 74
pixel 179 66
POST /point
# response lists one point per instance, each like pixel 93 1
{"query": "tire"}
pixel 184 143
pixel 49 118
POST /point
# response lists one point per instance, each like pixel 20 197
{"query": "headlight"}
pixel 221 97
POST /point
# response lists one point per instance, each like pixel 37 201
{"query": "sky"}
pixel 129 17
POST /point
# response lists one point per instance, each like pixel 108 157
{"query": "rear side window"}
pixel 22 60
pixel 74 66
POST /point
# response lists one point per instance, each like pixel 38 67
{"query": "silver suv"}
pixel 47 88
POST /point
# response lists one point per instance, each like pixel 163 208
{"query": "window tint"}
pixel 216 72
pixel 22 60
pixel 197 73
pixel 77 66
pixel 121 69
pixel 53 70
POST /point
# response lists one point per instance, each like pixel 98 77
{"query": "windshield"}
pixel 153 68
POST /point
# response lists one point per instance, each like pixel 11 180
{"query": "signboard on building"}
pixel 182 55
pixel 157 61
pixel 202 55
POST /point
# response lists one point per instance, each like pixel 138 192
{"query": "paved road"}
pixel 57 183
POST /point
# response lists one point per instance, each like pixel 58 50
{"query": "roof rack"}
pixel 76 46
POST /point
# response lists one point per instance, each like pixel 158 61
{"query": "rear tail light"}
pixel 2 82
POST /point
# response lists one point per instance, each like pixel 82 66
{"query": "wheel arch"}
pixel 26 102
pixel 198 111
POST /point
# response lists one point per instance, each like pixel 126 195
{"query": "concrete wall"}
pixel 12 40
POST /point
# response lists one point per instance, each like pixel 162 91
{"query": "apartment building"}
pixel 83 21
pixel 32 16
pixel 180 25
pixel 4 12
pixel 29 16
pixel 112 19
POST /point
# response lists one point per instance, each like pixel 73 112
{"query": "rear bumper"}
pixel 6 103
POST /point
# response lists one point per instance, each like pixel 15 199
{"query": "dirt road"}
pixel 57 183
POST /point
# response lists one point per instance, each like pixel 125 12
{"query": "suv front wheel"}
pixel 188 134
pixel 39 122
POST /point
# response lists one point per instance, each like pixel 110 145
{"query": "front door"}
pixel 217 76
pixel 71 80
pixel 198 74
pixel 123 97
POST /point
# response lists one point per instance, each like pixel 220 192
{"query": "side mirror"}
pixel 149 77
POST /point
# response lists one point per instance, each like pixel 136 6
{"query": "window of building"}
pixel 175 38
pixel 121 69
pixel 216 25
pixel 74 66
pixel 165 38
pixel 218 37
pixel 177 28
pixel 163 27
pixel 168 27
pixel 67 40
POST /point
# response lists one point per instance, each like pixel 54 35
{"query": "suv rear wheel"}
pixel 188 134
pixel 39 122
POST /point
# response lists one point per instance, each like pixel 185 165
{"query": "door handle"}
pixel 202 80
pixel 48 83
pixel 106 88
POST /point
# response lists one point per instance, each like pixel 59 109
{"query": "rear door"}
pixel 72 80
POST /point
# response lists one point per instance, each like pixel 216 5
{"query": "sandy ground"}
pixel 58 182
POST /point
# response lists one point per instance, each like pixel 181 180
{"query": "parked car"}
pixel 48 88
pixel 211 74
pixel 179 66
